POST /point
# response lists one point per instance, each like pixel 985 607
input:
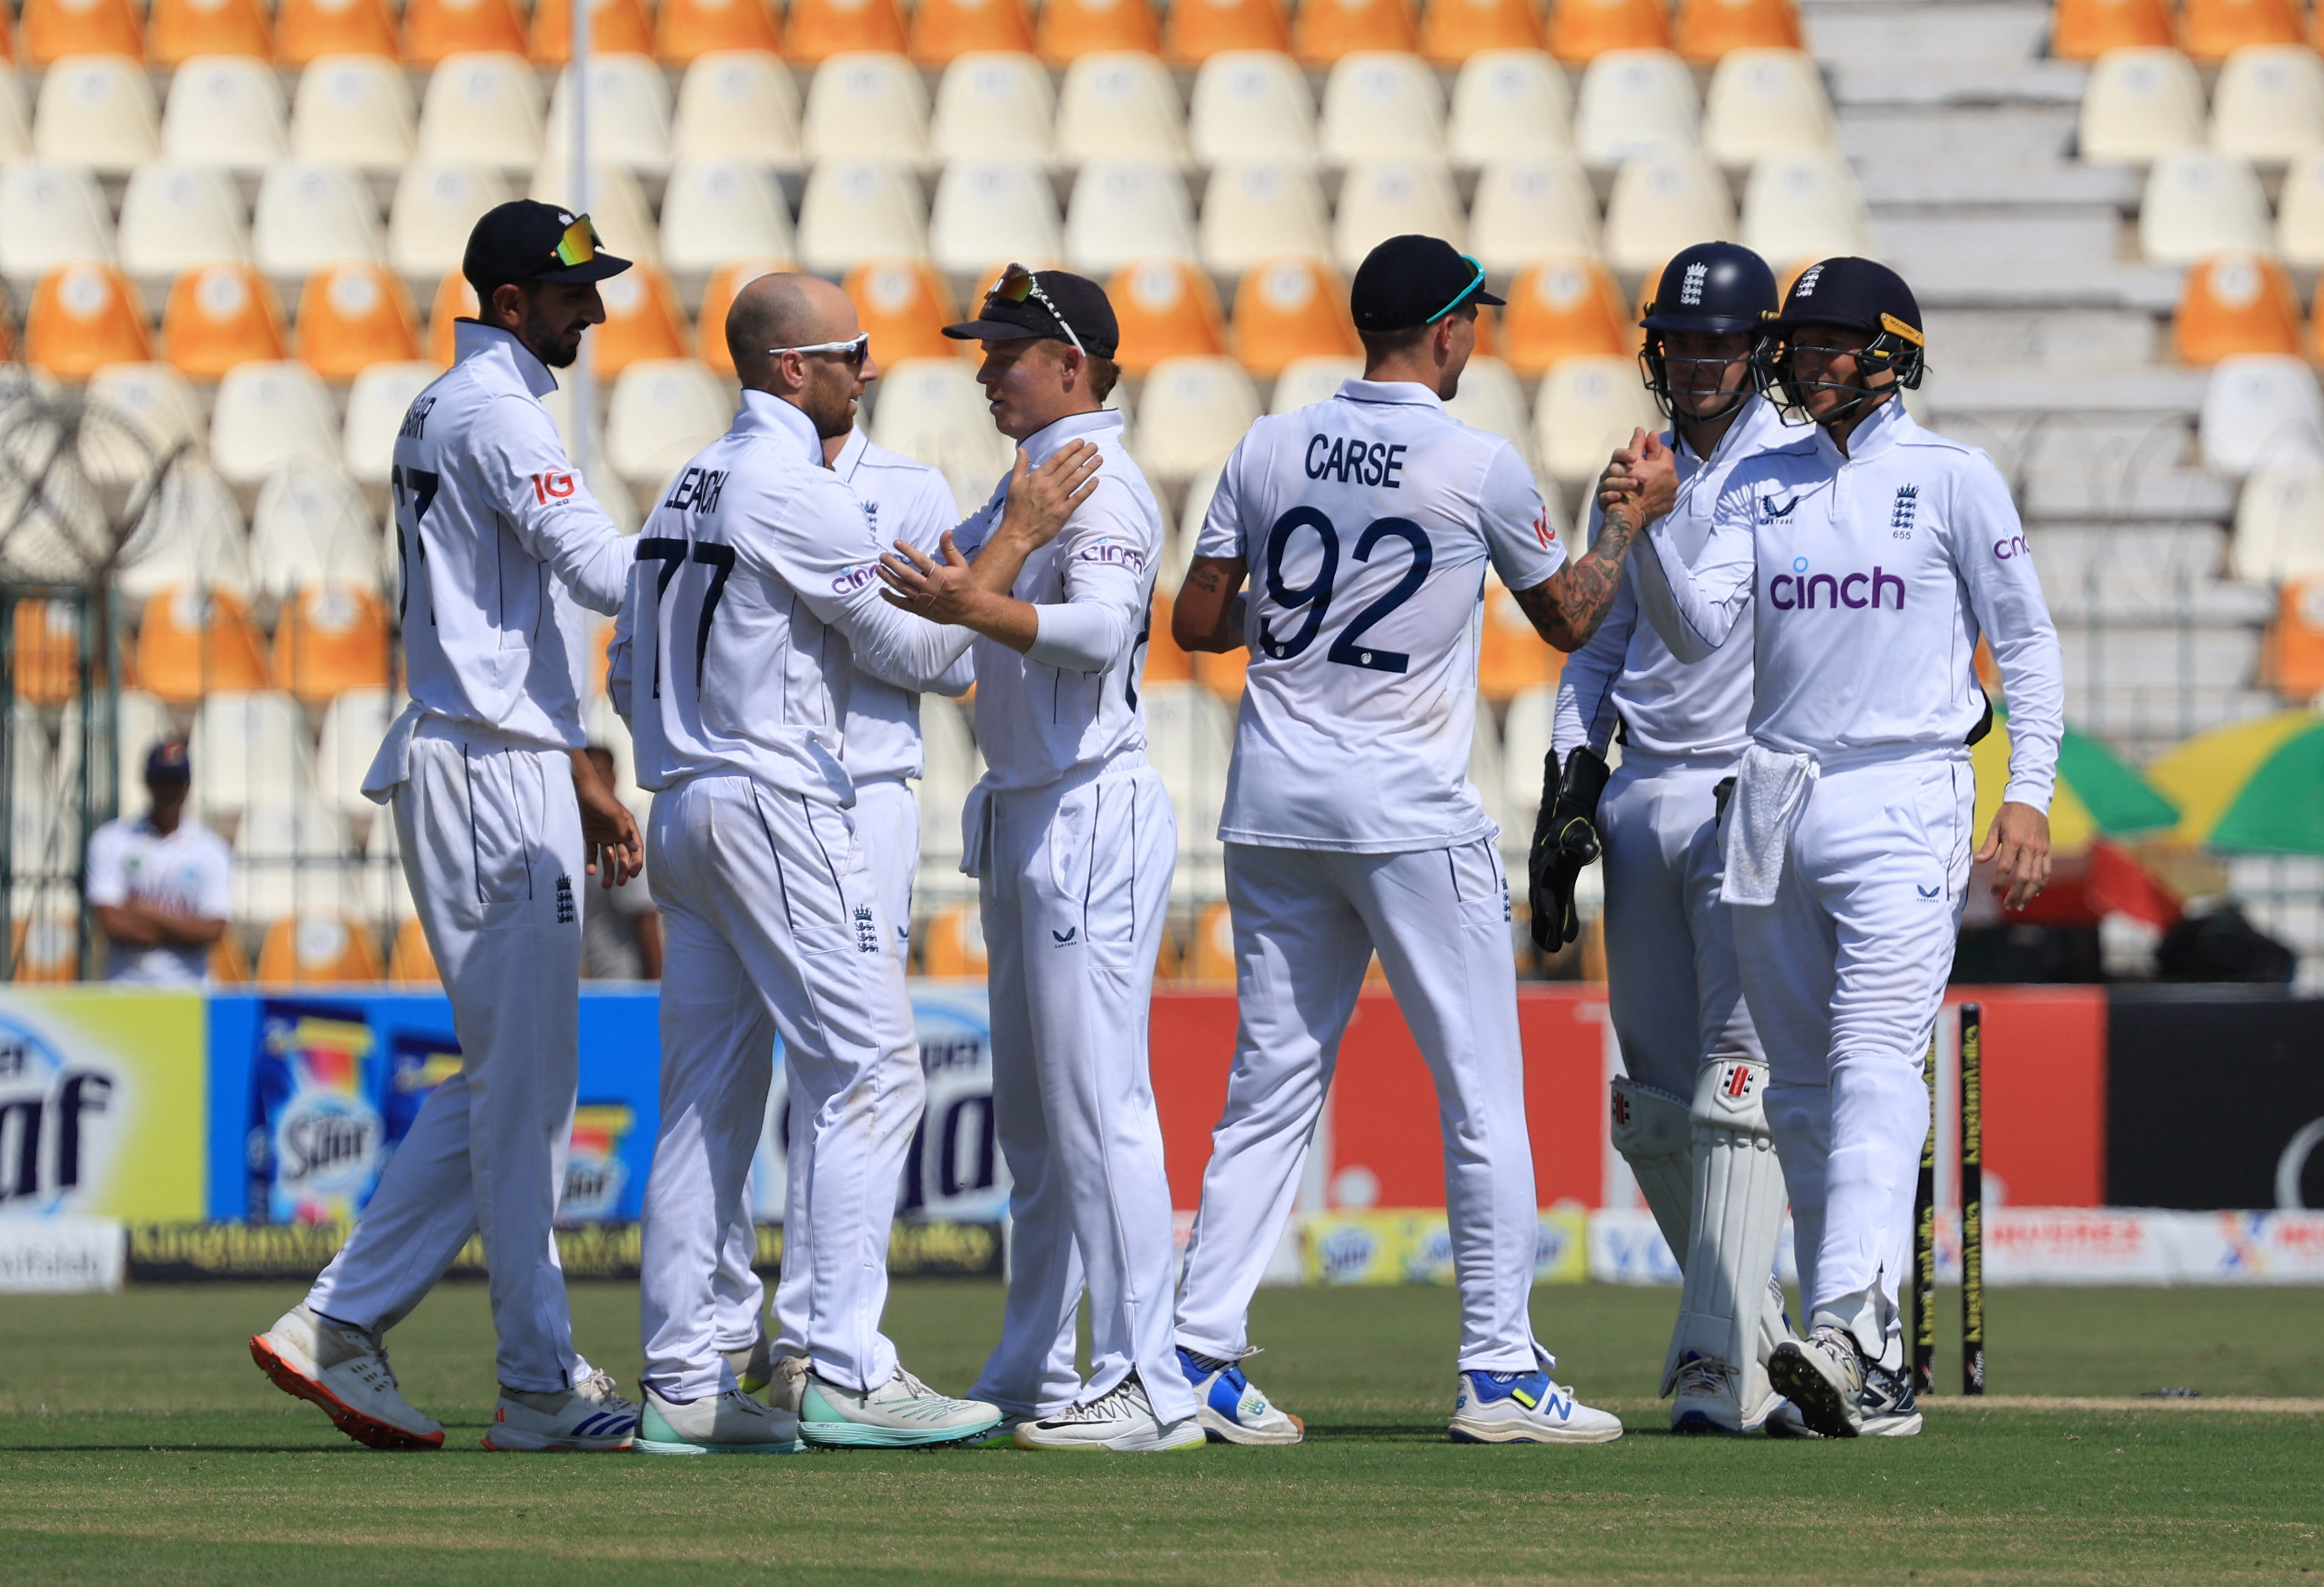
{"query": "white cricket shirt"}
pixel 1626 674
pixel 902 500
pixel 1873 575
pixel 187 872
pixel 752 603
pixel 1366 522
pixel 1071 702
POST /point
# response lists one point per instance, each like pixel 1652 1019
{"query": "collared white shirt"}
pixel 1366 522
pixel 188 870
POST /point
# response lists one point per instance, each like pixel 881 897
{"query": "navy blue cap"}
pixel 524 240
pixel 168 761
pixel 1854 294
pixel 1414 280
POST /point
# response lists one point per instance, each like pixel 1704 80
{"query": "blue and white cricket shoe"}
pixel 1232 1411
pixel 590 1418
pixel 1525 1407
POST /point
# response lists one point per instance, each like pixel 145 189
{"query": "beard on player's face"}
pixel 552 317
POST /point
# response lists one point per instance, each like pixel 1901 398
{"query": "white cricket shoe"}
pixel 903 1413
pixel 731 1423
pixel 1231 1408
pixel 1120 1419
pixel 346 1373
pixel 1707 1396
pixel 589 1418
pixel 1823 1376
pixel 786 1386
pixel 1525 1407
pixel 754 1363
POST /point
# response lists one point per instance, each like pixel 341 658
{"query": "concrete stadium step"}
pixel 1988 80
pixel 2152 657
pixel 1907 32
pixel 1998 134
pixel 2070 340
pixel 1912 184
pixel 2109 390
pixel 2082 239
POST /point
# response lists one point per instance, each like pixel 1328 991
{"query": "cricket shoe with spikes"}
pixel 345 1372
pixel 589 1418
pixel 1786 1422
pixel 1886 1408
pixel 1525 1407
pixel 1121 1419
pixel 1823 1376
pixel 1231 1408
pixel 730 1423
pixel 1707 1398
pixel 903 1413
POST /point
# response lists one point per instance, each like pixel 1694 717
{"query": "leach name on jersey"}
pixel 1366 522
pixel 1874 574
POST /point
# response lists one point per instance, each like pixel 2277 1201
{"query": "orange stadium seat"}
pixel 1452 31
pixel 307 30
pixel 220 316
pixel 1164 661
pixel 642 320
pixel 951 943
pixel 2212 30
pixel 1287 308
pixel 1210 955
pixel 44 639
pixel 317 946
pixel 685 29
pixel 2234 303
pixel 409 962
pixel 330 638
pixel 905 304
pixel 353 315
pixel 434 29
pixel 1708 28
pixel 1561 308
pixel 179 30
pixel 2084 30
pixel 616 27
pixel 456 300
pixel 228 965
pixel 1071 29
pixel 1223 674
pixel 718 296
pixel 1580 30
pixel 192 642
pixel 2294 647
pixel 816 29
pixel 1200 29
pixel 54 29
pixel 1329 29
pixel 44 948
pixel 1511 657
pixel 943 30
pixel 1167 309
pixel 83 316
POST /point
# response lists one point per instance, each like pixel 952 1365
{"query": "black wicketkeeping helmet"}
pixel 1849 294
pixel 1719 289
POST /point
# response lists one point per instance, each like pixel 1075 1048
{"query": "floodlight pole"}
pixel 584 379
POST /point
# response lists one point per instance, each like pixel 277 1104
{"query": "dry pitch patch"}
pixel 162 1455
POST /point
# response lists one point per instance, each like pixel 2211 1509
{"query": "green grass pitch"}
pixel 138 1443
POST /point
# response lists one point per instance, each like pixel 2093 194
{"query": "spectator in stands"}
pixel 621 930
pixel 161 885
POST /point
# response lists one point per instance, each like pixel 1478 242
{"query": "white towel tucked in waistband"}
pixel 975 830
pixel 1771 791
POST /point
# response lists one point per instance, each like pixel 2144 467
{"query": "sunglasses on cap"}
pixel 851 351
pixel 580 244
pixel 1464 294
pixel 1017 284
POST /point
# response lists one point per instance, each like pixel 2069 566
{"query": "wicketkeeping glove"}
pixel 1564 840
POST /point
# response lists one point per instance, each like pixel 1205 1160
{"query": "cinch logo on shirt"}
pixel 854 579
pixel 549 488
pixel 2015 546
pixel 1113 555
pixel 1801 591
pixel 1357 462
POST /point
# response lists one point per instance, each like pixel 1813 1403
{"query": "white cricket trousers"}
pixel 770 926
pixel 1845 972
pixel 1076 883
pixel 491 849
pixel 1675 993
pixel 1305 925
pixel 886 819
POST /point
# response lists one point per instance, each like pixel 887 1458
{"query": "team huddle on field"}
pixel 1775 620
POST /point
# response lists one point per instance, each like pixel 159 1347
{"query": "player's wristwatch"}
pixel 1564 840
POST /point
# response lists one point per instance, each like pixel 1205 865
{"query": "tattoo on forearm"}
pixel 1208 580
pixel 1568 607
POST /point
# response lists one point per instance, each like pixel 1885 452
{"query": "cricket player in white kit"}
pixel 1872 556
pixel 497 813
pixel 726 663
pixel 1689 1112
pixel 1366 524
pixel 1071 836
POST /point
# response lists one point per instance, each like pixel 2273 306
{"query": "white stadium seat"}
pixel 1190 739
pixel 191 534
pixel 1764 102
pixel 225 110
pixel 1265 209
pixel 741 104
pixel 1124 211
pixel 1800 207
pixel 1117 105
pixel 2260 410
pixel 1485 773
pixel 434 207
pixel 248 747
pixel 866 105
pixel 310 216
pixel 991 210
pixel 1586 408
pixel 860 210
pixel 311 525
pixel 1530 207
pixel 2199 202
pixel 141 721
pixel 354 722
pixel 1307 381
pixel 629 116
pixel 1634 102
pixel 2299 213
pixel 376 403
pixel 1492 399
pixel 155 399
pixel 717 210
pixel 1527 734
pixel 1384 198
pixel 1661 203
pixel 1192 412
pixel 2268 106
pixel 2140 103
pixel 1381 105
pixel 1178 554
pixel 290 854
pixel 2279 524
pixel 933 410
pixel 50 214
pixel 270 416
pixel 951 768
pixel 175 216
pixel 356 110
pixel 1251 104
pixel 481 109
pixel 664 411
pixel 15 131
pixel 1509 103
pixel 617 207
pixel 992 103
pixel 96 111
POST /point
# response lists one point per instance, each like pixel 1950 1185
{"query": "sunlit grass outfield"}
pixel 138 1443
